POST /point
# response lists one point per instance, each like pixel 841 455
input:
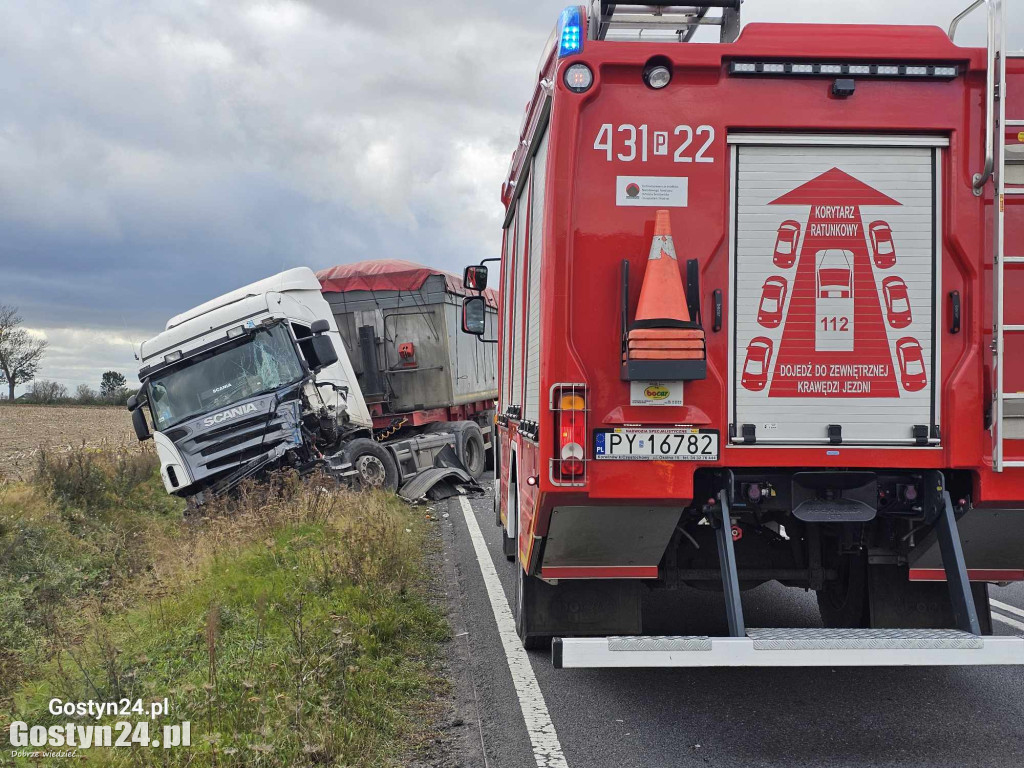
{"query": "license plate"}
pixel 655 445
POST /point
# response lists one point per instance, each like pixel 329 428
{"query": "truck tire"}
pixel 844 603
pixel 374 464
pixel 526 587
pixel 469 446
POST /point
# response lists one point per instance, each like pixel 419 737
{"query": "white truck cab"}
pixel 217 379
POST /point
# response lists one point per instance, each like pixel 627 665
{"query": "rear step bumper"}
pixel 793 648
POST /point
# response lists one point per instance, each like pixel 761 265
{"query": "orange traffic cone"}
pixel 662 296
pixel 662 309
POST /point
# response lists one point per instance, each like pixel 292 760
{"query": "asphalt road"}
pixel 663 718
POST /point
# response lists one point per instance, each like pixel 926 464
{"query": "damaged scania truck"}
pixel 260 379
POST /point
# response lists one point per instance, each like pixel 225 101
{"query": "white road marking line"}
pixel 1007 620
pixel 1005 607
pixel 546 749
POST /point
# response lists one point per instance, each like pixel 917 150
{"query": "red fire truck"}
pixel 661 423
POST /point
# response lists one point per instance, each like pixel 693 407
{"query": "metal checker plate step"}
pixel 660 643
pixel 788 639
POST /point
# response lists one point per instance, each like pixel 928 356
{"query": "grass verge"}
pixel 289 626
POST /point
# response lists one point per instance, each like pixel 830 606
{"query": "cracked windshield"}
pixel 262 362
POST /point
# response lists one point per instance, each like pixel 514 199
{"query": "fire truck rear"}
pixel 755 327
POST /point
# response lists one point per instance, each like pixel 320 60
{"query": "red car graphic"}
pixel 755 367
pixel 881 242
pixel 911 357
pixel 897 302
pixel 835 275
pixel 785 244
pixel 773 299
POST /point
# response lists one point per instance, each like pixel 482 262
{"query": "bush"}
pixel 73 480
pixel 88 523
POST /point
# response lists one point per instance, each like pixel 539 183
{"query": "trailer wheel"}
pixel 526 587
pixel 469 445
pixel 844 603
pixel 374 464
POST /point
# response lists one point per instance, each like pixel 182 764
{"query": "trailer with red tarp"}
pixel 399 323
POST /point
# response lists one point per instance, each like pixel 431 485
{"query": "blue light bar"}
pixel 570 32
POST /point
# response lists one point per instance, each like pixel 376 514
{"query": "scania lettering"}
pixel 230 414
pixel 805 235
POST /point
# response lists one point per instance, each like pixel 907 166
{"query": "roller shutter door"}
pixel 516 334
pixel 834 280
pixel 532 406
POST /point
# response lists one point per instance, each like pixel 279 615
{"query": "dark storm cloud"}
pixel 155 154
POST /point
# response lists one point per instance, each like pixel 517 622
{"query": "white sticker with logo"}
pixel 655 393
pixel 652 191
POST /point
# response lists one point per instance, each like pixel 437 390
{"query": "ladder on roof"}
pixel 662 20
pixel 1007 407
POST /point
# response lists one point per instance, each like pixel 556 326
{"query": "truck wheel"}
pixel 844 603
pixel 373 463
pixel 526 587
pixel 469 445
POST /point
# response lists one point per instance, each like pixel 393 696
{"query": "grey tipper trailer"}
pixel 400 323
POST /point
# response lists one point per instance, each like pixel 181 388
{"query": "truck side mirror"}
pixel 141 427
pixel 324 350
pixel 474 315
pixel 133 402
pixel 475 277
pixel 319 326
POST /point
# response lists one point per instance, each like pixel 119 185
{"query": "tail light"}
pixel 569 401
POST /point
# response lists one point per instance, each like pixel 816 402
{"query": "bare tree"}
pixel 47 392
pixel 20 354
pixel 86 395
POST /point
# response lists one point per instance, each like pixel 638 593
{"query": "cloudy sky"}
pixel 154 154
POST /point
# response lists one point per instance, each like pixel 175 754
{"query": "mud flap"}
pixel 898 603
pixel 590 607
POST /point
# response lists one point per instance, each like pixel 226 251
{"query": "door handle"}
pixel 954 320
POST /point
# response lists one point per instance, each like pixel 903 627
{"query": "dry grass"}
pixel 289 625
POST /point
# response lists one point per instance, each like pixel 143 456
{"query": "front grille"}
pixel 265 433
pixel 234 443
pixel 233 427
pixel 241 456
